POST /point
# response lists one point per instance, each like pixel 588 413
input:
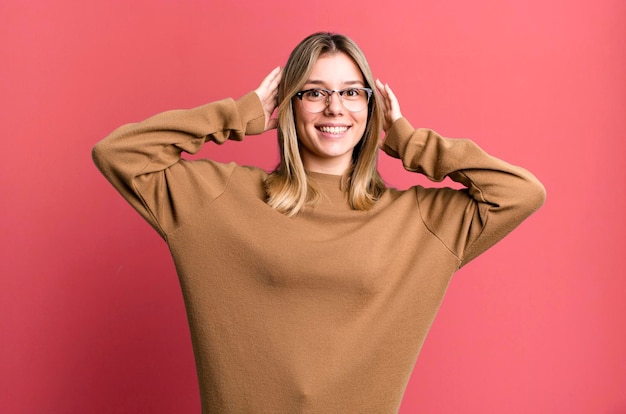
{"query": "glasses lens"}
pixel 315 100
pixel 354 100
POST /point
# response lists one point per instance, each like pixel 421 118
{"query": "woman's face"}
pixel 328 138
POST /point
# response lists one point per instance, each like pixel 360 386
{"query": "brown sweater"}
pixel 324 312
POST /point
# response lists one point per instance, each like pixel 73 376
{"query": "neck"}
pixel 327 166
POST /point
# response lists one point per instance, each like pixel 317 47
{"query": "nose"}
pixel 334 104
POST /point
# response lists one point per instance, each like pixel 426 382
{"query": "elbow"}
pixel 100 155
pixel 541 195
pixel 533 196
pixel 97 155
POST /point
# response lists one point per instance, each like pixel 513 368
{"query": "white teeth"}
pixel 333 129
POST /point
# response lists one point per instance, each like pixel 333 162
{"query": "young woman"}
pixel 311 289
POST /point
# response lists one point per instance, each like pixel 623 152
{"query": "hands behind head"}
pixel 268 94
pixel 391 106
pixel 268 90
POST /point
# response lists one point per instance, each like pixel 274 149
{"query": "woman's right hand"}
pixel 268 94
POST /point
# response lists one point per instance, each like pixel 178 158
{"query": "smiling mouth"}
pixel 335 130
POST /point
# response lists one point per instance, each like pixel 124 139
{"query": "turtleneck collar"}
pixel 332 188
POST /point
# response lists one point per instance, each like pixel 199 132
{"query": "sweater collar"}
pixel 332 188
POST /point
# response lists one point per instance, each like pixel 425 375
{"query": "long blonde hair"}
pixel 288 187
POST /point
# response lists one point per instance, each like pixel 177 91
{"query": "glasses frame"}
pixel 330 92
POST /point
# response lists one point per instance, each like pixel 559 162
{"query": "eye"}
pixel 314 94
pixel 351 93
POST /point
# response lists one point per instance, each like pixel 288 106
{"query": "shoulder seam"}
pixel 431 231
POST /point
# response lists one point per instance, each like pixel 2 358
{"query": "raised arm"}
pixel 498 196
pixel 143 160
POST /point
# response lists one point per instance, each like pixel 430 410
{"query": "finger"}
pixel 392 96
pixel 394 105
pixel 389 98
pixel 381 88
pixel 273 78
pixel 269 79
pixel 277 75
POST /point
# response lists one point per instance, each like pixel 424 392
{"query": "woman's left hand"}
pixel 391 106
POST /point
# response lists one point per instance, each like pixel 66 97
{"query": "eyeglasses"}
pixel 353 99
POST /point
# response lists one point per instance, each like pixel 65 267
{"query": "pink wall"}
pixel 91 316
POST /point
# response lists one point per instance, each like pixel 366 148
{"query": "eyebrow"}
pixel 321 82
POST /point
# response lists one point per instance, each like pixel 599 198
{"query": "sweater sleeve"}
pixel 143 160
pixel 497 196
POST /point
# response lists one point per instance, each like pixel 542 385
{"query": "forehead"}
pixel 335 69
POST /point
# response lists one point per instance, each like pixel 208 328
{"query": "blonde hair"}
pixel 288 187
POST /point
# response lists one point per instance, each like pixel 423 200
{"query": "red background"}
pixel 91 315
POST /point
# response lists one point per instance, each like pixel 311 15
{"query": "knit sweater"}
pixel 324 312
